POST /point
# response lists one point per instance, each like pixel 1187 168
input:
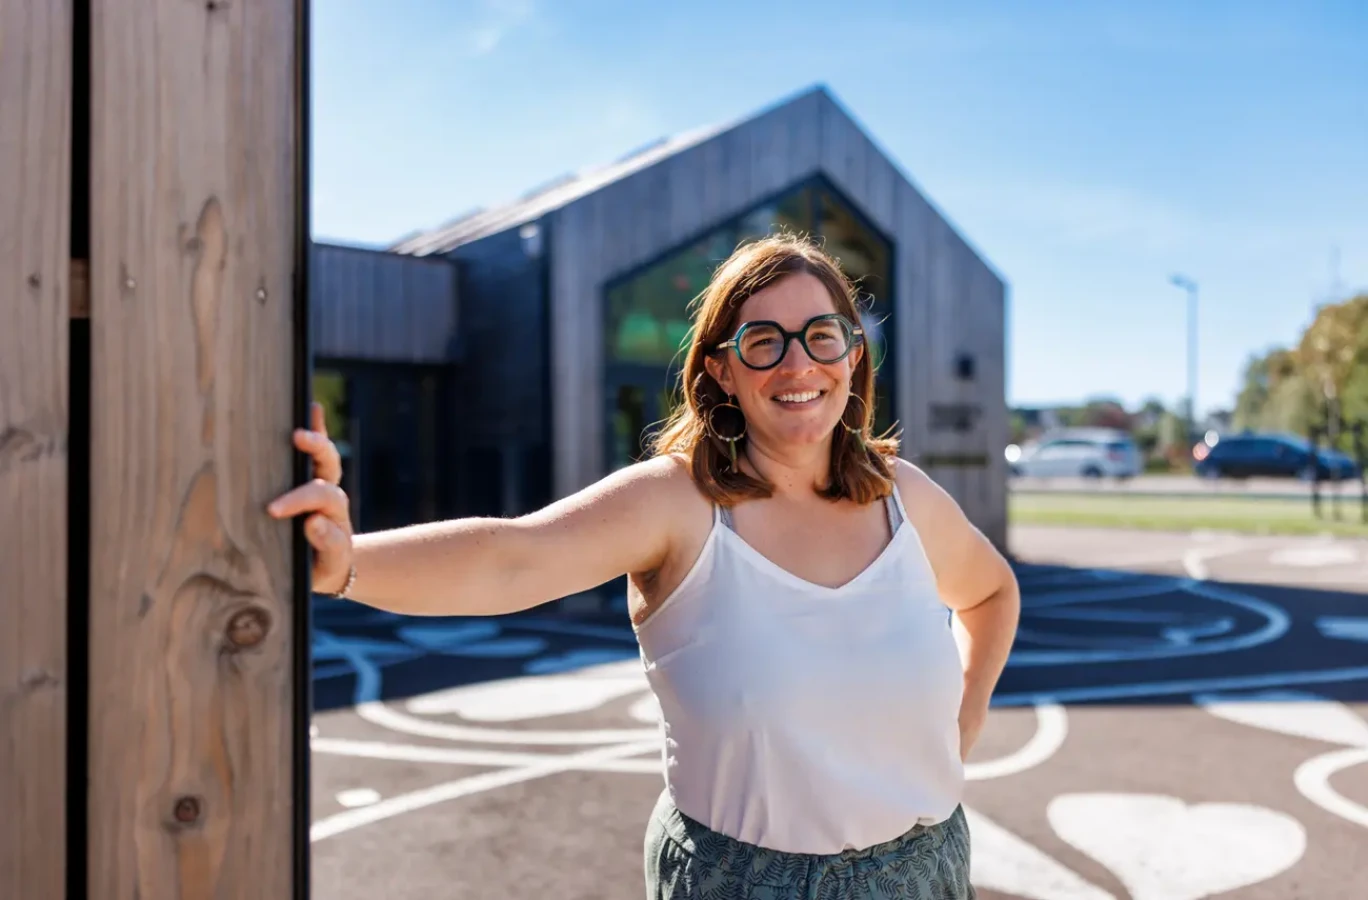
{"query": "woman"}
pixel 791 587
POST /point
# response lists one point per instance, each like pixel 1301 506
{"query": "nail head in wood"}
pixel 187 810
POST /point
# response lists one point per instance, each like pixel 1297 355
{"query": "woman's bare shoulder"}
pixel 924 498
pixel 665 482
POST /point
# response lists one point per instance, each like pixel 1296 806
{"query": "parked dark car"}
pixel 1273 456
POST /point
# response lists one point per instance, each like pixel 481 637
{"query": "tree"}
pixel 1331 359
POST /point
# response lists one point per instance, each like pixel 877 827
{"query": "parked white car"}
pixel 1080 453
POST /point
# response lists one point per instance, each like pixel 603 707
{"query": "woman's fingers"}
pixel 316 496
pixel 327 461
pixel 324 535
pixel 317 420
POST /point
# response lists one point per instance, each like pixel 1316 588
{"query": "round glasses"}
pixel 827 339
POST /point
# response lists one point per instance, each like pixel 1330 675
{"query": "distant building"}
pixel 519 353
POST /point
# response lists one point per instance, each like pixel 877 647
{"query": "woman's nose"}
pixel 796 358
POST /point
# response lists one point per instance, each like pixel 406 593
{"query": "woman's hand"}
pixel 328 526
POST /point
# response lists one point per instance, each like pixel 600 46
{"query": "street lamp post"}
pixel 1190 286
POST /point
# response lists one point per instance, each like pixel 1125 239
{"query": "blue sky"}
pixel 1087 149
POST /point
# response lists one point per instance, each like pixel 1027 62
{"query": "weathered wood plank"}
pixel 912 321
pixel 805 142
pixel 35 175
pixel 369 304
pixel 571 233
pixel 193 161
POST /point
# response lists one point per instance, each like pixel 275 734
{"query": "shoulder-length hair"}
pixel 861 464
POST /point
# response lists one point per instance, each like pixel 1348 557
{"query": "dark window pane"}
pixel 629 422
pixel 648 316
pixel 791 213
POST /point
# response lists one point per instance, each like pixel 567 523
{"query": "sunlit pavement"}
pixel 1184 716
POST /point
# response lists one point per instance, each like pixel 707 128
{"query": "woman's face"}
pixel 799 401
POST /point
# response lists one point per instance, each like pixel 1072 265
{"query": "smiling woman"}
pixel 791 582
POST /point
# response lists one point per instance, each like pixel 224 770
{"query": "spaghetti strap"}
pixel 895 516
pixel 724 515
pixel 897 501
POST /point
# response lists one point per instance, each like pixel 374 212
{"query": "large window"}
pixel 647 315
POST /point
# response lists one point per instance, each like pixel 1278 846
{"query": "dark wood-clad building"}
pixel 518 353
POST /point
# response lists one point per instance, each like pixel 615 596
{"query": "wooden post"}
pixel 198 614
pixel 35 184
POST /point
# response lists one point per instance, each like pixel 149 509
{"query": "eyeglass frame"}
pixel 856 335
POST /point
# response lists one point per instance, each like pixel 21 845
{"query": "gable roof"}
pixel 566 189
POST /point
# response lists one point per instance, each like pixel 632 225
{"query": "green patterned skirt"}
pixel 686 860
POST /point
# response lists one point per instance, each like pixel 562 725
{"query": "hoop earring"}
pixel 730 441
pixel 857 432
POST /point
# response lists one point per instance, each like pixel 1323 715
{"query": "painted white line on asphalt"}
pixel 379 714
pixel 1052 727
pixel 504 700
pixel 1312 778
pixel 1195 559
pixel 1313 556
pixel 463 787
pixel 1194 563
pixel 1003 861
pixel 358 797
pixel 1298 713
pixel 461 756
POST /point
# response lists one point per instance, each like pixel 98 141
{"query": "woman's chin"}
pixel 797 435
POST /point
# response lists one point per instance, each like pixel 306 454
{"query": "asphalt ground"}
pixel 1184 716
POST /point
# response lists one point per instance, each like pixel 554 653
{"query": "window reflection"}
pixel 791 213
pixel 648 315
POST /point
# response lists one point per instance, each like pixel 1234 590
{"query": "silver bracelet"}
pixel 351 581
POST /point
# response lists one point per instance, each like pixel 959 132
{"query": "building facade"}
pixel 574 303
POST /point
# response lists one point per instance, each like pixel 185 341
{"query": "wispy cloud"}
pixel 495 21
pixel 1075 215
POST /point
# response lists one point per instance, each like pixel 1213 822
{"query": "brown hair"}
pixel 859 473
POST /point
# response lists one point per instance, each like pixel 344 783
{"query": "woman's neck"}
pixel 794 472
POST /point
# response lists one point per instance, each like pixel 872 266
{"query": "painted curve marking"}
pixel 1312 779
pixel 1052 729
pixel 1276 624
pixel 415 800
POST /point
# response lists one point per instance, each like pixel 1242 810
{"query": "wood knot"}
pixel 187 810
pixel 248 627
pixel 34 281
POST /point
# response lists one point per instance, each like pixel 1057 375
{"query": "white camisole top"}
pixel 804 718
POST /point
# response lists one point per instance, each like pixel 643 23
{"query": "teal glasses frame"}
pixel 856 339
